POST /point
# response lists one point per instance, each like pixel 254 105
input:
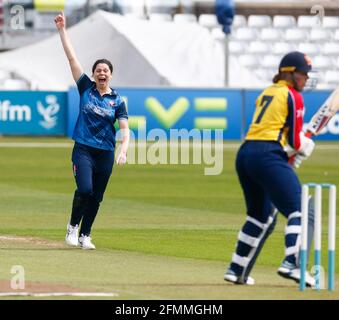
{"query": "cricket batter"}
pixel 267 179
pixel 94 135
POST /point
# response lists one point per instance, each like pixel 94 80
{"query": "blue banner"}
pixel 177 109
pixel 33 113
pixel 55 113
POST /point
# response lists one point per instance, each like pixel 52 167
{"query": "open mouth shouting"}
pixel 102 80
pixel 102 76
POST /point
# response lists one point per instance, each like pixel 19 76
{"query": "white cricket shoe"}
pixel 72 235
pixel 291 271
pixel 230 276
pixel 85 242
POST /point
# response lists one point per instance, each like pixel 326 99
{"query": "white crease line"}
pixel 58 294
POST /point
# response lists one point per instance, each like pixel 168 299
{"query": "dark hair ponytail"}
pixel 277 78
pixel 282 76
pixel 105 61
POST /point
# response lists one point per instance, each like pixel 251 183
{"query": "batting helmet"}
pixel 295 61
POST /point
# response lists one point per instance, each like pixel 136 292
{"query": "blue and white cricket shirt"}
pixel 97 115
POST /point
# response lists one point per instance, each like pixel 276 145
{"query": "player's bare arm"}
pixel 122 157
pixel 60 22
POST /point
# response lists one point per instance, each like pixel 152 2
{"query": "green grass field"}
pixel 163 231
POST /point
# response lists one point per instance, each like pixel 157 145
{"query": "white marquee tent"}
pixel 144 54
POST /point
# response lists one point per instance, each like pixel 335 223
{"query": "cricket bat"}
pixel 320 119
pixel 325 113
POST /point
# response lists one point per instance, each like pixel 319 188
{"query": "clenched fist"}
pixel 60 21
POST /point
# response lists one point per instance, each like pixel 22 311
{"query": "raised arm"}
pixel 76 68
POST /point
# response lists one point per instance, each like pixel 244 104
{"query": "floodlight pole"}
pixel 87 7
pixel 226 59
pixel 145 9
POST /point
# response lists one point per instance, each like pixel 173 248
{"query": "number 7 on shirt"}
pixel 265 102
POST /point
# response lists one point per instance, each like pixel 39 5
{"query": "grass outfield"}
pixel 163 232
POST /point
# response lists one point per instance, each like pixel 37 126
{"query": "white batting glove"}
pixel 121 158
pixel 298 160
pixel 306 146
pixel 289 150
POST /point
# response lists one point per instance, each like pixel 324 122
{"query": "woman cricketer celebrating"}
pixel 267 179
pixel 94 136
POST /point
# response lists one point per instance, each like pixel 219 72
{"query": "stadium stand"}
pixel 331 22
pixel 239 21
pixel 336 35
pixel 322 62
pixel 208 21
pixel 270 34
pixel 259 21
pixel 284 22
pixel 280 48
pixel 248 60
pixel 245 34
pixel 331 77
pixel 237 47
pixel 270 61
pixel 258 48
pixel 308 22
pixel 320 35
pixel 160 17
pixel 312 49
pixel 218 34
pixel 296 35
pixel 330 49
pixel 184 18
pixel 255 32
